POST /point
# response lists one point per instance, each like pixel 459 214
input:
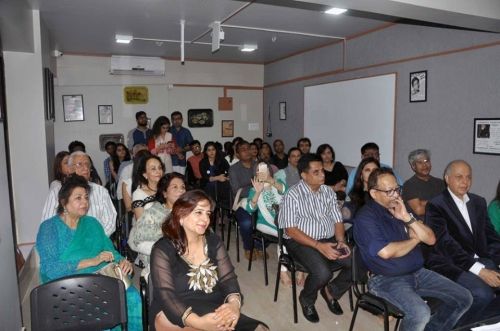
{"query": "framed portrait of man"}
pixel 418 86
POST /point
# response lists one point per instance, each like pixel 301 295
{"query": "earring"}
pixel 65 211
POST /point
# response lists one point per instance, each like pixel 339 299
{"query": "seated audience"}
pixel 61 169
pixel 258 142
pixel 100 205
pixel 279 158
pixel 304 144
pixel 494 210
pixel 228 148
pixel 193 165
pixel 240 176
pixel 232 157
pixel 290 175
pixel 335 172
pixel 194 284
pixel 150 169
pixel 73 243
pixel 110 148
pixel 262 197
pixel 314 235
pixel 359 194
pixel 121 155
pixel 370 149
pixel 147 229
pixel 421 187
pixel 124 188
pixel 214 171
pixel 78 146
pixel 161 142
pixel 388 238
pixel 265 153
pixel 467 249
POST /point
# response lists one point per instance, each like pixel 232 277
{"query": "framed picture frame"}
pixel 227 128
pixel 418 86
pixel 486 136
pixel 135 95
pixel 282 109
pixel 73 108
pixel 105 113
pixel 200 118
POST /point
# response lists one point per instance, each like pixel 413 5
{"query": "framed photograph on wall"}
pixel 105 114
pixel 487 136
pixel 73 108
pixel 227 128
pixel 200 118
pixel 282 110
pixel 418 86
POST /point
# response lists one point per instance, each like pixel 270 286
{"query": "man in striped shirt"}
pixel 314 235
pixel 100 204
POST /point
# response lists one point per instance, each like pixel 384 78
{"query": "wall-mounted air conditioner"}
pixel 138 66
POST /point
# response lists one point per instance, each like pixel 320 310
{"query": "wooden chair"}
pixel 79 303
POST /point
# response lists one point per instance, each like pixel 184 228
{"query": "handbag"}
pixel 113 270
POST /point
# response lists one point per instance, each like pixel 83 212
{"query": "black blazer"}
pixel 456 245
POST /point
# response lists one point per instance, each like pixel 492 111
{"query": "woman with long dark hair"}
pixel 194 283
pixel 162 143
pixel 335 172
pixel 61 169
pixel 121 154
pixel 494 210
pixel 214 173
pixel 148 173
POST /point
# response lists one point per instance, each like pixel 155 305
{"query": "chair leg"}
pixel 386 320
pixel 222 224
pixel 354 314
pixel 351 304
pixel 265 260
pixel 294 296
pixel 251 256
pixel 237 243
pixel 228 234
pixel 398 320
pixel 276 287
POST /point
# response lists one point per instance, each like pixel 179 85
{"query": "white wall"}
pixel 27 139
pixel 90 77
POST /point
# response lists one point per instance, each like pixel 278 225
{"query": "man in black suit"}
pixel 467 248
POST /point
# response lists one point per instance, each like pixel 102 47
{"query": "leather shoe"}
pixel 332 304
pixel 309 312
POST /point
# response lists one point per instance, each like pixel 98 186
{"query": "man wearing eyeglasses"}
pixel 421 187
pixel 467 248
pixel 388 238
pixel 100 204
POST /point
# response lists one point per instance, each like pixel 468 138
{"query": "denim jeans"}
pixel 406 292
pixel 486 304
pixel 320 271
pixel 244 220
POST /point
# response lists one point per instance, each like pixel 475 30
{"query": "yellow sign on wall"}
pixel 135 95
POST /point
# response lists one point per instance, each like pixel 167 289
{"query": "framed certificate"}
pixel 73 108
pixel 487 136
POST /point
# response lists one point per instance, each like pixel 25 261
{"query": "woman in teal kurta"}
pixel 73 243
pixel 494 210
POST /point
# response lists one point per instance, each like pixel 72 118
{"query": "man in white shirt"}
pixel 467 248
pixel 100 204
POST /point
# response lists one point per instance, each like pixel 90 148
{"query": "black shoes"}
pixel 332 304
pixel 309 312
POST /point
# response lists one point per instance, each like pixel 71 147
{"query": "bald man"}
pixel 467 248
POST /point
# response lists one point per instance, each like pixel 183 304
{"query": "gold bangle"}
pixel 236 297
pixel 186 315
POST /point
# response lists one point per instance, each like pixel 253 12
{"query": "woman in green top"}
pixel 494 210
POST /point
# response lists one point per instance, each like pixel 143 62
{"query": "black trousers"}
pixel 320 271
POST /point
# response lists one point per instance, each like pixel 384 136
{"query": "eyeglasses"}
pixel 82 165
pixel 391 192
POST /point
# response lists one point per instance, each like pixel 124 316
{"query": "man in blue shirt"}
pixel 140 134
pixel 182 138
pixel 388 238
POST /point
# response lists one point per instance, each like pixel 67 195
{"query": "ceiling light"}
pixel 248 48
pixel 335 11
pixel 123 39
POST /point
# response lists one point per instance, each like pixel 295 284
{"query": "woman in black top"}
pixel 335 172
pixel 214 171
pixel 194 284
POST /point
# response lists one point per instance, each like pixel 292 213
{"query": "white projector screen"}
pixel 348 114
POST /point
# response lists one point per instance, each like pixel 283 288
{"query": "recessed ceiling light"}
pixel 123 39
pixel 335 11
pixel 248 48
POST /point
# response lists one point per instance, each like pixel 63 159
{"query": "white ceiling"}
pixel 89 26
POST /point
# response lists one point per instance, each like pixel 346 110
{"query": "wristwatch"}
pixel 412 220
